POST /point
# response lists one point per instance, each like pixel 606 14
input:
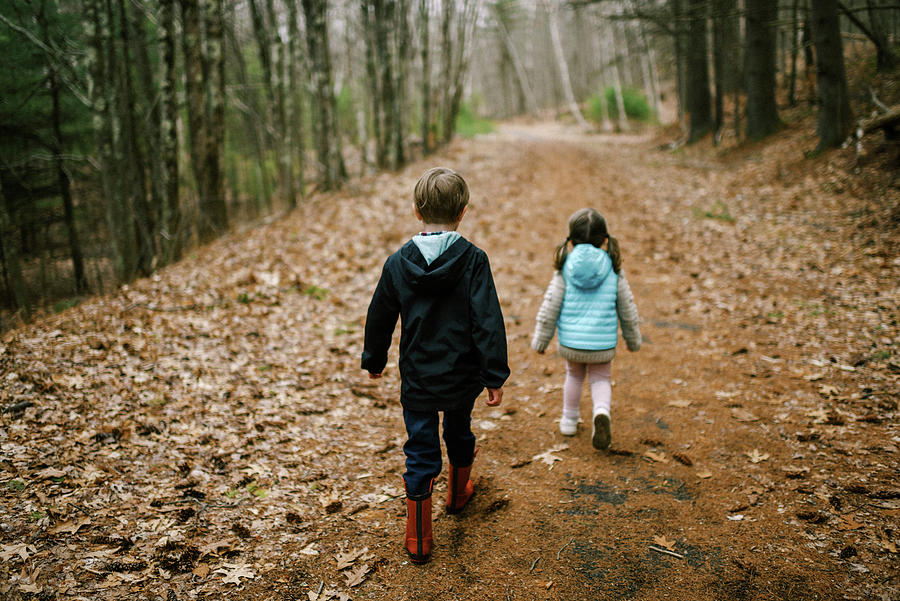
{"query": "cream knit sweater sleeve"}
pixel 628 315
pixel 547 315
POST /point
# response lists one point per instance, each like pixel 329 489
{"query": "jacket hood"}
pixel 587 266
pixel 442 274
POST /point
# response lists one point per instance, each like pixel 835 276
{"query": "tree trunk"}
pixel 10 253
pixel 795 50
pixel 150 128
pixel 526 93
pixel 650 73
pixel 332 172
pixel 278 49
pixel 141 216
pixel 215 209
pixel 447 122
pixel 427 106
pixel 384 17
pixel 103 66
pixel 563 67
pixel 254 124
pixel 404 56
pixel 887 58
pixel 296 143
pixel 834 117
pixel 698 103
pixel 170 227
pixel 612 54
pixel 62 177
pixel 760 56
pixel 721 66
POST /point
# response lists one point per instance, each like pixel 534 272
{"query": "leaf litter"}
pixel 239 363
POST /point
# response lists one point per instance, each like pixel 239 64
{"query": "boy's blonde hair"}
pixel 441 194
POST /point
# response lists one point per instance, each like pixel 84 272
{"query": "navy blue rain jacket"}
pixel 452 337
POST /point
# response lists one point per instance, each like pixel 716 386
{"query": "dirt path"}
pixel 208 432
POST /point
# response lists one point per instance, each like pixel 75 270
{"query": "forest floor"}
pixel 207 433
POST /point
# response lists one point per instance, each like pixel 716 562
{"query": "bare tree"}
pixel 552 11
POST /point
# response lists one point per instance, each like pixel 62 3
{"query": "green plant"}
pixel 719 211
pixel 15 485
pixel 636 106
pixel 469 125
pixel 315 292
pixel 66 304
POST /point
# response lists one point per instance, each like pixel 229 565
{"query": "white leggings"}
pixel 601 388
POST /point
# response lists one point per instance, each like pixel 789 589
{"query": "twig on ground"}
pixel 533 564
pixel 571 540
pixel 666 551
pixel 321 587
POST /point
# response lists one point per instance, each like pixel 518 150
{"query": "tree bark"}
pixel 760 56
pixel 215 209
pixel 296 142
pixel 835 119
pixel 698 103
pixel 141 217
pixel 332 172
pixel 170 227
pixel 278 73
pixel 563 67
pixel 62 177
pixel 102 70
pixel 526 93
pixel 10 253
pixel 425 50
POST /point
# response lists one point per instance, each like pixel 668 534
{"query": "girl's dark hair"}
pixel 587 226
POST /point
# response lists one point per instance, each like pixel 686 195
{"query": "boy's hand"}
pixel 374 376
pixel 495 395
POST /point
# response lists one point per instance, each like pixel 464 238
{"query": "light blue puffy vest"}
pixel 588 319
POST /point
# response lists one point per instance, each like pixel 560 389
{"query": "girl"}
pixel 586 300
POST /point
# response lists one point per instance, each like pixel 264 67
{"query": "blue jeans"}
pixel 423 446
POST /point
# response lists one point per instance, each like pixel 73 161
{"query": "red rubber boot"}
pixel 419 538
pixel 459 488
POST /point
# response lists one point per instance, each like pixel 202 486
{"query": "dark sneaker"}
pixel 600 435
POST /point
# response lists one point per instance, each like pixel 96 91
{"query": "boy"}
pixel 452 346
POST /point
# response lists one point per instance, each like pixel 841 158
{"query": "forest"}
pixel 134 131
pixel 197 199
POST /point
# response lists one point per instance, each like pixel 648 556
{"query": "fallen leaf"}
pixel 815 377
pixel 70 526
pixel 658 456
pixel 848 522
pixel 345 560
pixel 233 572
pixel 21 549
pixel 682 403
pixel 201 571
pixel 742 415
pixel 662 541
pixel 736 518
pixel 756 457
pixel 213 548
pixel 828 390
pixel 887 544
pixel 309 549
pixel 357 576
pixel 820 416
pixel 703 473
pixel 548 457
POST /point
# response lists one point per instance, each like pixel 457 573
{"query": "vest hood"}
pixel 439 275
pixel 587 266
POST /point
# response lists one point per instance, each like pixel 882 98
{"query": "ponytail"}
pixel 612 248
pixel 562 252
